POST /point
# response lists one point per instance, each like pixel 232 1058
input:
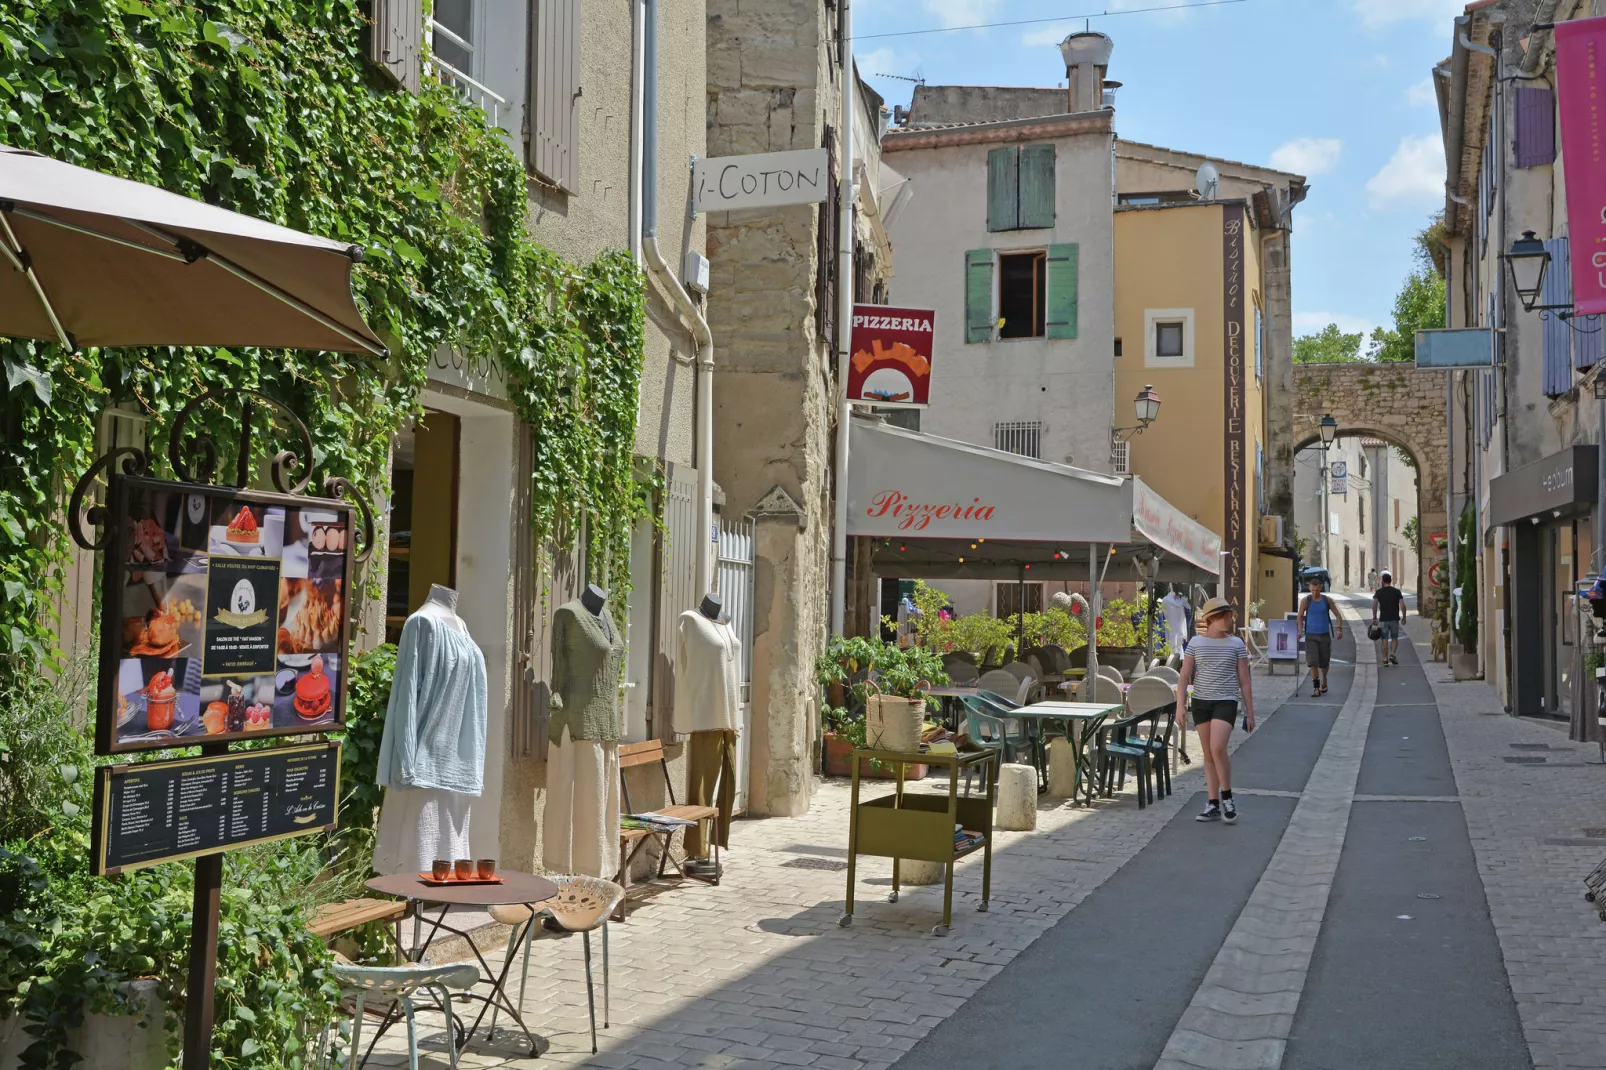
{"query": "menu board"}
pixel 226 615
pixel 166 811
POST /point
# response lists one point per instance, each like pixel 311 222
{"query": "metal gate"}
pixel 734 584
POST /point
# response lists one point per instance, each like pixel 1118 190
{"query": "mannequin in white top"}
pixel 708 688
pixel 432 756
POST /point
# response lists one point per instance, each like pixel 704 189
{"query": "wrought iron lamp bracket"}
pixel 1566 314
pixel 195 461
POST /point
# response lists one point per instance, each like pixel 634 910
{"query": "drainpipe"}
pixel 844 330
pixel 703 454
pixel 638 113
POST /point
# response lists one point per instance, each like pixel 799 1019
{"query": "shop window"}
pixel 1013 598
pixel 423 540
pixel 1022 295
pixel 1024 437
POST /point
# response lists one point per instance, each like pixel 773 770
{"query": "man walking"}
pixel 1388 613
pixel 1319 623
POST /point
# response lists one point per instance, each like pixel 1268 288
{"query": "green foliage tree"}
pixel 1418 306
pixel 1328 346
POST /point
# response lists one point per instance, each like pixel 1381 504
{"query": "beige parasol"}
pixel 96 260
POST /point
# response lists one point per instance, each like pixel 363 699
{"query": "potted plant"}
pixel 895 695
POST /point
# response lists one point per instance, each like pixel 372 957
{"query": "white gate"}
pixel 734 584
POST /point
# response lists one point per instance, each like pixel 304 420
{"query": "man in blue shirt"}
pixel 1320 623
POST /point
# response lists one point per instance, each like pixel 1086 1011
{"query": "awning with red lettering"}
pixel 940 508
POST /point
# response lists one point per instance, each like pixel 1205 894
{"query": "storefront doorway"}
pixel 423 515
pixel 1559 567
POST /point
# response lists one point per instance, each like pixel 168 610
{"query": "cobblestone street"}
pixel 757 972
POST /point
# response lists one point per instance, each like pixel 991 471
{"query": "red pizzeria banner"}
pixel 891 361
pixel 1580 81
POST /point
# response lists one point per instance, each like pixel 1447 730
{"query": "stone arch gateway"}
pixel 1397 403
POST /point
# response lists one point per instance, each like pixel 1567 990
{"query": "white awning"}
pixel 902 483
pixel 946 508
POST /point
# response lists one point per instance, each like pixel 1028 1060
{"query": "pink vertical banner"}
pixel 1580 83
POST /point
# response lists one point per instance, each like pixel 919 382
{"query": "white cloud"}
pixel 1414 175
pixel 1307 155
pixel 1382 12
pixel 950 13
pixel 1313 322
pixel 1422 95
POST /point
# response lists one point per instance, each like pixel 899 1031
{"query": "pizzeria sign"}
pixel 891 356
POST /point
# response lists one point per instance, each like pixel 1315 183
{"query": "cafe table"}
pixel 514 889
pixel 951 706
pixel 1081 721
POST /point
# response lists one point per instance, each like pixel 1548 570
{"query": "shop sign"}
pixel 762 180
pixel 1338 478
pixel 168 811
pixel 1580 84
pixel 1168 528
pixel 891 361
pixel 1562 482
pixel 1235 464
pixel 1455 347
pixel 470 372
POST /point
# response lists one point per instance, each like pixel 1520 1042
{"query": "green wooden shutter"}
pixel 1003 188
pixel 1036 186
pixel 1062 291
pixel 979 295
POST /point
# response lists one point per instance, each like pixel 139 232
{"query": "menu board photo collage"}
pixel 232 617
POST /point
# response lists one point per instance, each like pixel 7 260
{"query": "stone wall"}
pixel 1396 403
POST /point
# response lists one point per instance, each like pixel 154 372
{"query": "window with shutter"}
pixel 555 92
pixel 1260 343
pixel 1020 187
pixel 1062 290
pixel 1587 349
pixel 1557 334
pixel 979 295
pixel 1036 186
pixel 826 248
pixel 1535 143
pixel 1003 188
pixel 396 40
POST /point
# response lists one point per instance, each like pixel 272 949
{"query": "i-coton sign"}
pixel 762 180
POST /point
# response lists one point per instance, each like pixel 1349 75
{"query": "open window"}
pixel 1022 295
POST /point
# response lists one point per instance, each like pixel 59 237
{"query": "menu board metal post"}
pixel 204 917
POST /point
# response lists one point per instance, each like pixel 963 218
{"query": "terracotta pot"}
pixel 839 762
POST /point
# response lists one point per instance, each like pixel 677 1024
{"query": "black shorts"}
pixel 1319 650
pixel 1214 709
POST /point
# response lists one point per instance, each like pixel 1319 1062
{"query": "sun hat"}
pixel 1387 575
pixel 1214 606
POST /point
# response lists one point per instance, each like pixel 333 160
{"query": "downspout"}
pixel 638 112
pixel 703 453
pixel 844 330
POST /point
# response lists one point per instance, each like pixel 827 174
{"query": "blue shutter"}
pixel 1535 143
pixel 1557 335
pixel 1586 342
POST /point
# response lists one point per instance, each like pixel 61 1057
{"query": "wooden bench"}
pixel 631 841
pixel 332 918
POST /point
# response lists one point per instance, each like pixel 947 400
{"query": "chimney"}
pixel 1087 60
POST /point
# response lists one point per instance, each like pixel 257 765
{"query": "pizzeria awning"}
pixel 942 509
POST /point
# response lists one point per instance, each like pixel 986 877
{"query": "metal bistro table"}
pixel 516 889
pixel 952 708
pixel 1081 720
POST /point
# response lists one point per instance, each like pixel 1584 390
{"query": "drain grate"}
pixel 1595 834
pixel 1529 746
pixel 1525 760
pixel 830 865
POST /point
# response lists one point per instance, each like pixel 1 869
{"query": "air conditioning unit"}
pixel 1271 531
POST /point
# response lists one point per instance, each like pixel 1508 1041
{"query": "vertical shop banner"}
pixel 1580 53
pixel 891 355
pixel 1235 539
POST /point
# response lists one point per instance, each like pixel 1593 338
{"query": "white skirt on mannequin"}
pixel 419 825
pixel 580 828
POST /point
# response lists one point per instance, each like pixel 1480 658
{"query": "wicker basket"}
pixel 893 723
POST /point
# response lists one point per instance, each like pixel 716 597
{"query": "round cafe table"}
pixel 515 889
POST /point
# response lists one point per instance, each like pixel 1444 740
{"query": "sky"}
pixel 1336 90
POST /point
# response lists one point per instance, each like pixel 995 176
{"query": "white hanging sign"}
pixel 762 180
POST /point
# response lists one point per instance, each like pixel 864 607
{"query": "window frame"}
pixel 1039 294
pixel 1152 319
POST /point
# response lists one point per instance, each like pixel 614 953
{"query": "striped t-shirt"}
pixel 1215 666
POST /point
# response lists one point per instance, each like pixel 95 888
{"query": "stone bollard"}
pixel 914 871
pixel 1061 768
pixel 1017 798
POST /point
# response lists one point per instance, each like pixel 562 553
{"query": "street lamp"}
pixel 1147 407
pixel 1529 260
pixel 1329 429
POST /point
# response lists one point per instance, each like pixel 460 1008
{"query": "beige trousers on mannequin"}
pixel 580 829
pixel 710 758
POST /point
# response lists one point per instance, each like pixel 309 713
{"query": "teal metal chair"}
pixel 393 988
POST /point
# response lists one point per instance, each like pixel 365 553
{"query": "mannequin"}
pixel 432 753
pixel 708 687
pixel 580 826
pixel 1176 610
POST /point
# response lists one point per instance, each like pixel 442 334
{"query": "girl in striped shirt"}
pixel 1217 665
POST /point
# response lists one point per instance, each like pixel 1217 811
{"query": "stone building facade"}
pixel 775 76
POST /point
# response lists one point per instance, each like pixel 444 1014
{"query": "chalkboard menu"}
pixel 166 811
pixel 226 615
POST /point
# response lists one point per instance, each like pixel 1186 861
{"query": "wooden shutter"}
pixel 979 295
pixel 1535 141
pixel 1556 334
pixel 396 40
pixel 1036 186
pixel 678 548
pixel 555 93
pixel 1003 188
pixel 1062 266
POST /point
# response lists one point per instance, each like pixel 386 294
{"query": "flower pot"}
pixel 839 762
pixel 1464 666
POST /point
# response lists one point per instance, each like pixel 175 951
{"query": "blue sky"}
pixel 1337 90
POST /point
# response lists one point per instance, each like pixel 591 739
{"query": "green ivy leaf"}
pixel 250 1046
pixel 409 252
pixel 20 371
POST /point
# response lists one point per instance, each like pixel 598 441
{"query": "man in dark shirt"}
pixel 1388 613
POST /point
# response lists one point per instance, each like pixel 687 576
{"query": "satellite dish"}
pixel 1207 181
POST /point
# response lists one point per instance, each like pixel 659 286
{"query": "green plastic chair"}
pixel 396 986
